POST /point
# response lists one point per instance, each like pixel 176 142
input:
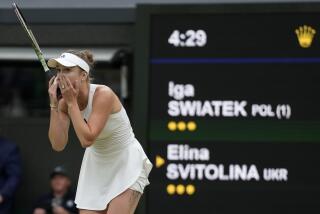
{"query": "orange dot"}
pixel 191 126
pixel 180 189
pixel 171 189
pixel 172 126
pixel 182 126
pixel 190 189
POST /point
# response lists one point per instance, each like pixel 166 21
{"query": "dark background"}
pixel 266 142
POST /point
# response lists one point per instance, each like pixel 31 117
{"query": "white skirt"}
pixel 105 176
pixel 141 182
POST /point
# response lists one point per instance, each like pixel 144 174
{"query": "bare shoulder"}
pixel 104 95
pixel 104 92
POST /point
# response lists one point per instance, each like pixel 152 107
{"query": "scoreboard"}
pixel 226 102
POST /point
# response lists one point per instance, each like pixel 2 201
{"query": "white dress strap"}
pixel 87 111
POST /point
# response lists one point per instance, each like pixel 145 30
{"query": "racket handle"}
pixel 50 73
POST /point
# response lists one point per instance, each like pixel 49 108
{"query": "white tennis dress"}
pixel 112 164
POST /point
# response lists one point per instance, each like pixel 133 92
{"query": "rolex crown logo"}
pixel 305 35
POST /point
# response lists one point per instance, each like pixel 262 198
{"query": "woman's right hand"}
pixel 53 85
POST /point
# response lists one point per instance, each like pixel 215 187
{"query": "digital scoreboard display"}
pixel 227 96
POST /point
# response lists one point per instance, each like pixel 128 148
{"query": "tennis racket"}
pixel 35 45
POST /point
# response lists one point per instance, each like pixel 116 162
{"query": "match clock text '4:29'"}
pixel 190 38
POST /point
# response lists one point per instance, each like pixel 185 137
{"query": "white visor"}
pixel 69 60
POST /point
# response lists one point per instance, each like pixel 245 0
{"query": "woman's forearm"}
pixel 82 129
pixel 58 130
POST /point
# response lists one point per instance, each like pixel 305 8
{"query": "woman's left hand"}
pixel 69 93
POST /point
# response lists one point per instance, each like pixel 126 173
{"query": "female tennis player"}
pixel 114 168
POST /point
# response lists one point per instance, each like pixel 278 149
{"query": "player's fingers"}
pixel 67 81
pixel 51 80
pixel 56 81
pixel 62 83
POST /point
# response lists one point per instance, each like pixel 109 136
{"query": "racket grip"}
pixel 50 73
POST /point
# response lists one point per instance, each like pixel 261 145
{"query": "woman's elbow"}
pixel 57 145
pixel 57 148
pixel 86 143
